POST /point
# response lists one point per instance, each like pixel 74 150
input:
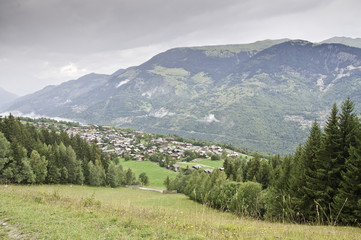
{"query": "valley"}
pixel 260 96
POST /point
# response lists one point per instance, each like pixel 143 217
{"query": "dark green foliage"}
pixel 4 151
pixel 309 159
pixel 167 183
pixel 29 155
pixel 321 181
pixel 253 166
pixel 189 155
pixel 347 201
pixel 143 178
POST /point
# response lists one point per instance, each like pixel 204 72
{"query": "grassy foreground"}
pixel 80 212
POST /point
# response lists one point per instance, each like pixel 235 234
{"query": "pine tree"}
pixel 347 201
pixel 253 167
pixel 324 183
pixel 54 173
pixel 348 124
pixel 309 158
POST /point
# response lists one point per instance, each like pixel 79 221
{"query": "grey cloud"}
pixel 101 35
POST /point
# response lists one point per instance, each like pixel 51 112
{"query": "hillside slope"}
pixel 5 98
pixel 261 96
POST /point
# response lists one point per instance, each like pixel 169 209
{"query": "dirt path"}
pixel 12 231
pixel 151 189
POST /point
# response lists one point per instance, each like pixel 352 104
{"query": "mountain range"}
pixel 262 96
pixel 6 98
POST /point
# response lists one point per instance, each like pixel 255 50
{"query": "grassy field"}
pixel 81 212
pixel 156 174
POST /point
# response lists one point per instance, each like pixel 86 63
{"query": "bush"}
pixel 247 201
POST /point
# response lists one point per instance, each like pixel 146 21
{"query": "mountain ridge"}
pixel 6 97
pixel 262 100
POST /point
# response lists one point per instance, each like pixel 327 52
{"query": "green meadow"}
pixel 82 212
pixel 156 174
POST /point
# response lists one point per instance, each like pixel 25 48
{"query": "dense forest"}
pixel 319 183
pixel 29 155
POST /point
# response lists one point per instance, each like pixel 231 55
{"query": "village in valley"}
pixel 140 146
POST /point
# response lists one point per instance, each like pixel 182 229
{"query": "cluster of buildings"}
pixel 137 145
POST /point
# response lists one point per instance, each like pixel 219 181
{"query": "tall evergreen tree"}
pixel 348 202
pixel 253 167
pixel 309 158
pixel 324 182
pixel 348 124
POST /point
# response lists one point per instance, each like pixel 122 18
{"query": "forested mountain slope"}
pixel 261 96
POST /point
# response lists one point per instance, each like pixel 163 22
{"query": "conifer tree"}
pixel 309 157
pixel 325 181
pixel 297 177
pixel 348 124
pixel 54 173
pixel 347 202
pixel 253 167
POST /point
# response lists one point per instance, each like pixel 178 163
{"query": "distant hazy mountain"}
pixel 59 100
pixel 5 98
pixel 353 42
pixel 262 96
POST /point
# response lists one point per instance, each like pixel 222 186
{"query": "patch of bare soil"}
pixel 12 231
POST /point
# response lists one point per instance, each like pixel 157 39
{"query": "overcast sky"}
pixel 46 42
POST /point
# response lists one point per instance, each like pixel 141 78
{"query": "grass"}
pixel 156 174
pixel 204 163
pixel 81 212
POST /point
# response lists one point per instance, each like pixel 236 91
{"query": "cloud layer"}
pixel 47 42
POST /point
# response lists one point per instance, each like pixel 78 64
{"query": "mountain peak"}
pixel 353 42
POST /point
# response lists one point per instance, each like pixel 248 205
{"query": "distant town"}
pixel 137 145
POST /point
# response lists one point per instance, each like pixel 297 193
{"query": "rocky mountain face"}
pixel 261 96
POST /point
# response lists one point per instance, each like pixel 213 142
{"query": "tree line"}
pixel 319 183
pixel 29 155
